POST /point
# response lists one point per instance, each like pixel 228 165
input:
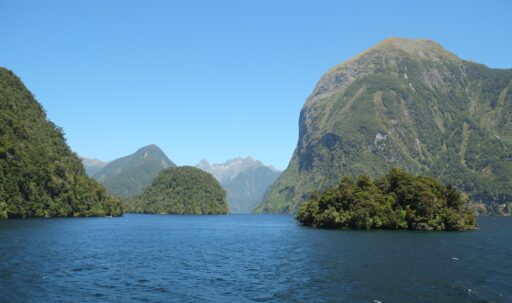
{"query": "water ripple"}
pixel 248 258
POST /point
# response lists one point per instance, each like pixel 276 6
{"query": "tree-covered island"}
pixel 181 190
pixel 397 200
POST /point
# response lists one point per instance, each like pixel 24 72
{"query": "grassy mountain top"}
pixel 425 49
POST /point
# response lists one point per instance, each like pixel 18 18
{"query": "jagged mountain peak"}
pixel 230 168
pixel 245 180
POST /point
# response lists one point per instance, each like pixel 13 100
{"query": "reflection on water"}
pixel 248 258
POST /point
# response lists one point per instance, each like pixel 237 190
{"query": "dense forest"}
pixel 397 200
pixel 181 190
pixel 39 175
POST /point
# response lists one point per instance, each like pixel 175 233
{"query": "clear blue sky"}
pixel 213 79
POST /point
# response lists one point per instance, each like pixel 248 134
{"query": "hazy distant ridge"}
pixel 245 180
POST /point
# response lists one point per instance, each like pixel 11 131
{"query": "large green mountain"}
pixel 131 175
pixel 181 190
pixel 404 103
pixel 245 181
pixel 39 175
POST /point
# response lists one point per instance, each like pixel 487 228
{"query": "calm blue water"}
pixel 248 258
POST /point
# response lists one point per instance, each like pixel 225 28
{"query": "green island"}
pixel 181 190
pixel 39 174
pixel 397 200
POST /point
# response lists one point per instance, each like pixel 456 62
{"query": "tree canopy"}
pixel 181 190
pixel 39 174
pixel 397 200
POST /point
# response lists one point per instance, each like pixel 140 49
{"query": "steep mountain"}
pixel 245 181
pixel 131 175
pixel 39 174
pixel 181 190
pixel 92 166
pixel 404 103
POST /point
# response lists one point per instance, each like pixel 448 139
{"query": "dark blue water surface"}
pixel 248 258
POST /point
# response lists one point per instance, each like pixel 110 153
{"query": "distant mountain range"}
pixel 245 181
pixel 92 166
pixel 404 103
pixel 131 175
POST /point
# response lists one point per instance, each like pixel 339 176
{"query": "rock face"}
pixel 245 181
pixel 92 166
pixel 39 174
pixel 182 190
pixel 131 175
pixel 404 103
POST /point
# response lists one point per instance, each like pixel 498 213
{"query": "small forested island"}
pixel 181 190
pixel 397 200
pixel 39 174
